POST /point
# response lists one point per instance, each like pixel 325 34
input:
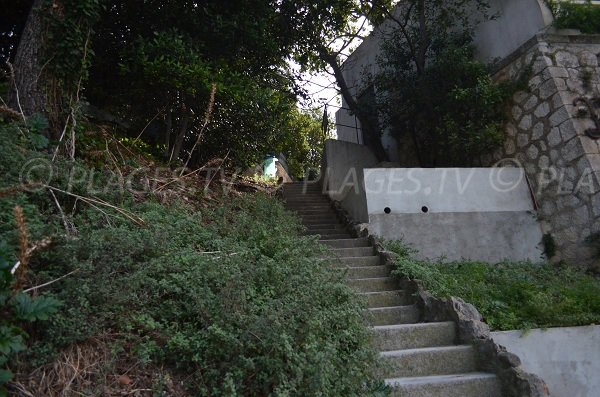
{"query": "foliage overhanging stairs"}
pixel 417 359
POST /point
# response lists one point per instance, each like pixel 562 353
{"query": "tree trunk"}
pixel 178 145
pixel 168 130
pixel 365 121
pixel 27 93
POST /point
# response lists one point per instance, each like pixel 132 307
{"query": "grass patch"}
pixel 510 295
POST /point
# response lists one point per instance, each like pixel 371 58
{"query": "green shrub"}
pixel 571 15
pixel 510 295
pixel 230 297
pixel 452 111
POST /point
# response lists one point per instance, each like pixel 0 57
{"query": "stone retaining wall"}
pixel 547 136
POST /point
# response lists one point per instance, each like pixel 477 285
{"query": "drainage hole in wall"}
pixel 387 210
pixel 425 209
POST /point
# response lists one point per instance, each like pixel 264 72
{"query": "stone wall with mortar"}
pixel 547 136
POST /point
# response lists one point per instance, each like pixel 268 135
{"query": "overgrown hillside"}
pixel 160 288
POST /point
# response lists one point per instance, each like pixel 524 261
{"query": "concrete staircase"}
pixel 417 359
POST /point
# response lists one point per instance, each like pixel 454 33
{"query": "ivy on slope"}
pixel 228 297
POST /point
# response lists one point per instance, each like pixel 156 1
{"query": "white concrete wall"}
pixel 517 22
pixel 348 127
pixel 568 359
pixel 342 173
pixel 484 214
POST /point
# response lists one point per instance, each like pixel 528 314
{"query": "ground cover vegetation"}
pixel 172 290
pixel 577 15
pixel 510 295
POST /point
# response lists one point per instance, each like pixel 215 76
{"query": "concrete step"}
pixel 324 225
pixel 385 298
pixel 360 261
pixel 355 272
pixel 320 222
pixel 315 211
pixel 316 229
pixel 353 252
pixel 428 361
pixel 307 200
pixel 413 336
pixel 313 204
pixel 325 237
pixel 348 243
pixel 303 193
pixel 318 219
pixel 374 284
pixel 474 384
pixel 394 315
pixel 302 190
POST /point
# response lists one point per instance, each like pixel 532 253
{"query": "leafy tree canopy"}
pixel 154 64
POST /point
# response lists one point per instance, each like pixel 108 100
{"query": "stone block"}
pixel 522 140
pixel 544 162
pixel 526 123
pixel 566 59
pixel 538 131
pixel 587 58
pixel 531 103
pixel 536 82
pixel 595 202
pixel 572 150
pixel 558 100
pixel 541 63
pixel 554 138
pixel 517 112
pixel 568 130
pixel 542 110
pixel 549 88
pixel 520 97
pixel 559 117
pixel 554 72
pixel 533 152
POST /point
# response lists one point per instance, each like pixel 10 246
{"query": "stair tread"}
pixel 399 291
pixel 348 239
pixel 389 308
pixel 405 352
pixel 374 278
pixel 421 380
pixel 415 325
